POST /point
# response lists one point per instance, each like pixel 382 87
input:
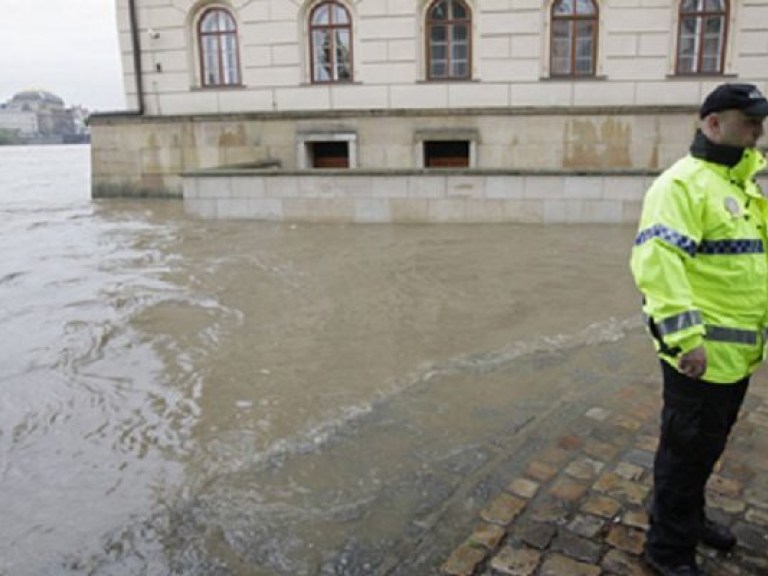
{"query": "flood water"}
pixel 180 396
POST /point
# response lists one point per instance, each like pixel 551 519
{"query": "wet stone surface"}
pixel 579 506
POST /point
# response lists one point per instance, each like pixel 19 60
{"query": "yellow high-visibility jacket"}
pixel 700 261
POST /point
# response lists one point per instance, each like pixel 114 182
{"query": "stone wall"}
pixel 416 196
pixel 136 156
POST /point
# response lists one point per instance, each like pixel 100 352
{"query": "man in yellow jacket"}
pixel 700 262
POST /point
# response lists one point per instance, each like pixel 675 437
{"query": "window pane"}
pixel 561 33
pixel 439 11
pixel 561 66
pixel 321 46
pixel 438 33
pixel 713 25
pixel 685 65
pixel 687 47
pixel 561 50
pixel 715 6
pixel 712 51
pixel 689 6
pixel 460 33
pixel 210 22
pixel 584 39
pixel 710 64
pixel 561 56
pixel 460 70
pixel 226 22
pixel 460 52
pixel 343 55
pixel 437 69
pixel 439 52
pixel 459 11
pixel 585 7
pixel 211 60
pixel 584 48
pixel 321 15
pixel 583 66
pixel 688 26
pixel 562 8
pixel 340 15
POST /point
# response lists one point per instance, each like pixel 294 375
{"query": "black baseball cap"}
pixel 744 97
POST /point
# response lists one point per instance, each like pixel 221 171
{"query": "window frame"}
pixel 573 18
pixel 220 35
pixel 331 27
pixel 700 17
pixel 449 23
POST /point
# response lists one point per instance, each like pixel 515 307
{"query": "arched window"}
pixel 219 58
pixel 330 32
pixel 449 40
pixel 573 46
pixel 701 36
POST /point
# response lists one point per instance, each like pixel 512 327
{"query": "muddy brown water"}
pixel 181 396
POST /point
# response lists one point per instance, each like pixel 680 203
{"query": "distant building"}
pixel 416 110
pixel 22 123
pixel 38 116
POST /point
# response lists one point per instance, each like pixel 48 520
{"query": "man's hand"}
pixel 694 362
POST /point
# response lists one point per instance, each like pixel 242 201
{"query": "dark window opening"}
pixel 328 154
pixel 446 154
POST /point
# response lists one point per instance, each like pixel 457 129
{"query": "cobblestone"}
pixel 523 487
pixel 516 561
pixel 568 490
pixel 559 565
pixel 601 506
pixel 584 468
pixel 579 506
pixel 487 535
pixel 577 547
pixel 536 534
pixel 503 509
pixel 587 526
pixel 541 471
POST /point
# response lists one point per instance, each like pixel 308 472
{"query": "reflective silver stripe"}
pixel 734 335
pixel 679 322
pixel 712 332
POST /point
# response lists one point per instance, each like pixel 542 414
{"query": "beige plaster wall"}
pixel 510 57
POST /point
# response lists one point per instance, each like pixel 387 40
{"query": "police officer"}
pixel 699 260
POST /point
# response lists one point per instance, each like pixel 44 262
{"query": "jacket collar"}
pixel 740 164
pixel 704 149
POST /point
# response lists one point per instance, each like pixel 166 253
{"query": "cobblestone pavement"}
pixel 578 509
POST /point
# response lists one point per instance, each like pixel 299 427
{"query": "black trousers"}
pixel 696 419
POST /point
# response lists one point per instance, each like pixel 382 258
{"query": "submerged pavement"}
pixel 578 506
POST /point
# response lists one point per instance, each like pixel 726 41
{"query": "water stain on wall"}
pixel 595 143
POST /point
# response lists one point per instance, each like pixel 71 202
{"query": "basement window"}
pixel 446 147
pixel 446 153
pixel 331 149
pixel 328 154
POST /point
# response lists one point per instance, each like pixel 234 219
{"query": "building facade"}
pixel 40 117
pixel 416 110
